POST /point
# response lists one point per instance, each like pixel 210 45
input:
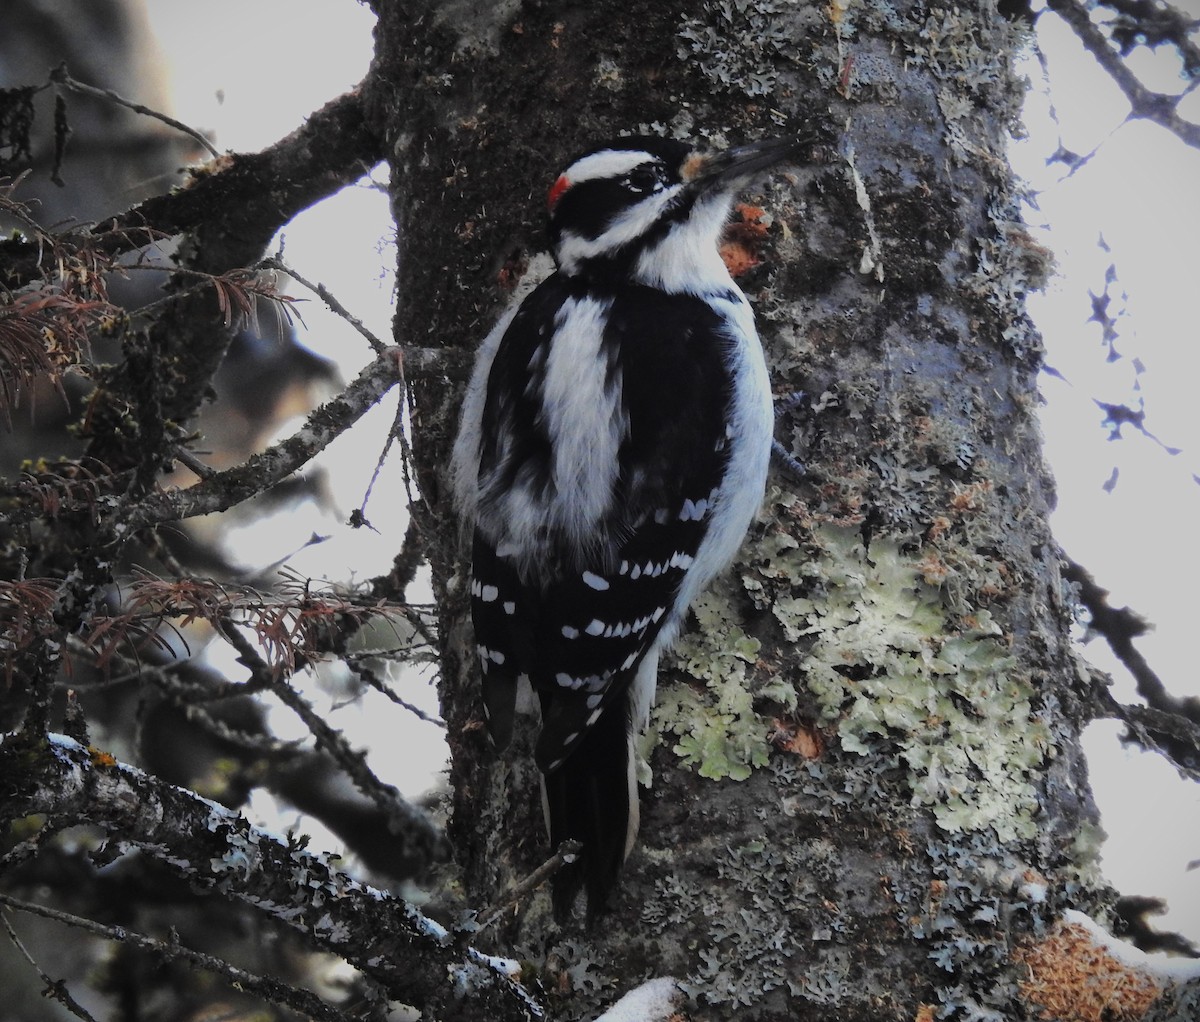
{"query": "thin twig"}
pixel 60 76
pixel 397 430
pixel 272 990
pixel 55 988
pixel 367 675
pixel 190 461
pixel 408 823
pixel 565 854
pixel 322 292
pixel 261 471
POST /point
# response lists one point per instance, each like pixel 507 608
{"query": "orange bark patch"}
pixel 739 244
pixel 1069 978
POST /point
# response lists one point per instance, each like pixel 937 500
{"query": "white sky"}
pixel 250 70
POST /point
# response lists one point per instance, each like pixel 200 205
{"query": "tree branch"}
pixel 1153 23
pixel 55 989
pixel 1144 103
pixel 564 854
pixel 1168 725
pixel 272 990
pixel 1170 734
pixel 223 490
pixel 246 196
pixel 61 76
pixel 1119 627
pixel 321 291
pixel 417 838
pixel 408 954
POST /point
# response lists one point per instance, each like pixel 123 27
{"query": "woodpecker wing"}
pixel 576 604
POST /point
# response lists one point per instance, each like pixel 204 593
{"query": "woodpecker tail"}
pixel 592 798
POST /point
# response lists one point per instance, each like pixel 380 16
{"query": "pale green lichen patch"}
pixel 893 662
pixel 718 732
pixel 901 675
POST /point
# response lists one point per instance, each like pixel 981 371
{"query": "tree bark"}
pixel 868 795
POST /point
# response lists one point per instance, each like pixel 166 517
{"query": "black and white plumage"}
pixel 612 453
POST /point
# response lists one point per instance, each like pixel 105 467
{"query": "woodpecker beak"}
pixel 732 167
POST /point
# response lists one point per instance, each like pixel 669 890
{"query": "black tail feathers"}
pixel 592 798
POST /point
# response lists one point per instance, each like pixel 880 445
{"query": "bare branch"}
pixel 55 988
pixel 227 489
pixel 363 673
pixel 268 989
pixel 322 292
pixel 60 76
pixel 1168 725
pixel 1154 23
pixel 565 854
pixel 1171 735
pixel 1144 103
pixel 416 835
pixel 1120 627
pixel 248 196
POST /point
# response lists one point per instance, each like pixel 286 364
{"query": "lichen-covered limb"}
pixel 226 489
pixel 412 957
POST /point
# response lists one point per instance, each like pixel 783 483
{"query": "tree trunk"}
pixel 868 797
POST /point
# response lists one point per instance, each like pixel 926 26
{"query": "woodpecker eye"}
pixel 644 179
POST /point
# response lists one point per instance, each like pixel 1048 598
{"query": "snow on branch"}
pixel 413 958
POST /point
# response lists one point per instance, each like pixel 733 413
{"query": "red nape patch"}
pixel 556 191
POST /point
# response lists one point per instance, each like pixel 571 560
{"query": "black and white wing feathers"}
pixel 576 604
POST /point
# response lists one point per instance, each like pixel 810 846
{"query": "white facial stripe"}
pixel 607 163
pixel 629 225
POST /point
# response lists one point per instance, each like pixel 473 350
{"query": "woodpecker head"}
pixel 652 209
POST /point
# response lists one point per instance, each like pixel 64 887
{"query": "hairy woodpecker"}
pixel 612 452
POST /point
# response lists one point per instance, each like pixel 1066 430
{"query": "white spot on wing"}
pixel 595 581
